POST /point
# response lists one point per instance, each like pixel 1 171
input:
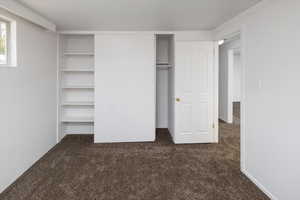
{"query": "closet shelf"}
pixel 78 103
pixel 164 67
pixel 77 70
pixel 80 133
pixel 78 87
pixel 78 119
pixel 78 53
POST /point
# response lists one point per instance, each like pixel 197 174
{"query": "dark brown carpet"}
pixel 77 169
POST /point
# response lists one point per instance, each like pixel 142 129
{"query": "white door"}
pixel 124 87
pixel 194 92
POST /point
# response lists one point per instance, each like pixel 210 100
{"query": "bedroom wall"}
pixel 28 101
pixel 270 117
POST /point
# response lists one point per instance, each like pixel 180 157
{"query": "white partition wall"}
pixel 125 87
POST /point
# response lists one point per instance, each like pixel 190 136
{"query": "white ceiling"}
pixel 138 14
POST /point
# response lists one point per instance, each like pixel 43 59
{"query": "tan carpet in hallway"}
pixel 77 169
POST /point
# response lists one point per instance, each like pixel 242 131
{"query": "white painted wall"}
pixel 162 98
pixel 270 110
pixel 224 76
pixel 194 35
pixel 237 77
pixel 27 102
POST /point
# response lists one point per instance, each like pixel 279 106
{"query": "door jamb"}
pixel 216 92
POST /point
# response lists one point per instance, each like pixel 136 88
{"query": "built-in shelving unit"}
pixel 76 84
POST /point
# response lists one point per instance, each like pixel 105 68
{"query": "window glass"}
pixel 3 43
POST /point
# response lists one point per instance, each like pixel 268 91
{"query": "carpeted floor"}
pixel 77 169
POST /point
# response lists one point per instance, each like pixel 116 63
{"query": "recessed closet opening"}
pixel 76 74
pixel 164 83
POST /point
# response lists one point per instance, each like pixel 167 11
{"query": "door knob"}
pixel 178 99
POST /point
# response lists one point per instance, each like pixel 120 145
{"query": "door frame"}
pixel 241 30
pixel 216 92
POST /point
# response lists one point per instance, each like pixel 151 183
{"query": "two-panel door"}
pixel 194 100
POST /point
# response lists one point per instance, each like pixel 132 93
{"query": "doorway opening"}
pixel 164 84
pixel 230 80
pixel 235 76
pixel 231 92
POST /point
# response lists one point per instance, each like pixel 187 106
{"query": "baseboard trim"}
pixel 259 185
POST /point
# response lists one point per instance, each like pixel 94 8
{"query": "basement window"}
pixel 8 44
pixel 4 41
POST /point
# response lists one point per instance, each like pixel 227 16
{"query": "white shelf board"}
pixel 77 119
pixel 77 70
pixel 163 66
pixel 81 133
pixel 78 53
pixel 79 103
pixel 78 87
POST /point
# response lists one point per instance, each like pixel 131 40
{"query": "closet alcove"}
pixel 164 81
